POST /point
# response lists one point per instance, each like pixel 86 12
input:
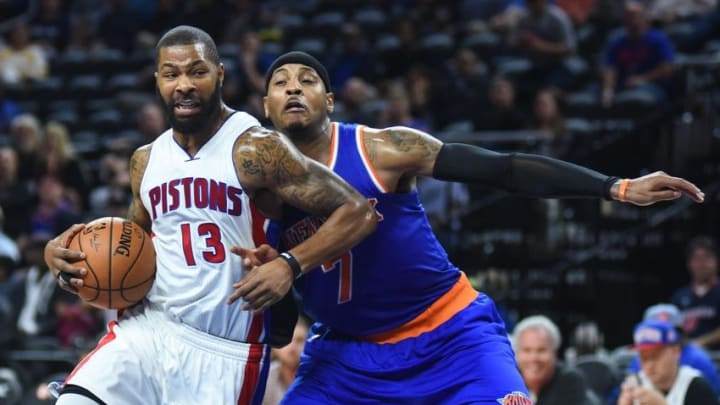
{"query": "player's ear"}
pixel 330 102
pixel 221 73
pixel 265 107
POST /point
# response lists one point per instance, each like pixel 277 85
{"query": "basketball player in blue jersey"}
pixel 397 323
pixel 197 188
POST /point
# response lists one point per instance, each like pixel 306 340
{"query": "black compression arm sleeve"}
pixel 520 173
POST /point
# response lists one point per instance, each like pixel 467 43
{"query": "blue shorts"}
pixel 467 360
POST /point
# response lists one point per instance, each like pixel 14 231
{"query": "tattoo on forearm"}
pixel 406 141
pixel 316 193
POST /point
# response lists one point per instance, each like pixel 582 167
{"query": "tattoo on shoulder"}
pixel 264 156
pixel 265 160
pixel 138 164
pixel 405 140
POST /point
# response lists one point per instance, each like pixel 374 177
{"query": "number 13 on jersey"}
pixel 344 264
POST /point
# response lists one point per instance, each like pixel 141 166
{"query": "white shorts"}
pixel 146 358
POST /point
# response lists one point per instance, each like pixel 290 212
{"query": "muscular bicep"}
pixel 402 151
pixel 264 160
pixel 137 212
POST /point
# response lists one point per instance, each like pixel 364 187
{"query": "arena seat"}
pixel 313 46
pixel 370 20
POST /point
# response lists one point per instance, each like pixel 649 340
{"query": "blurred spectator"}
pixel 352 59
pixel 355 97
pixel 423 102
pixel 700 301
pixel 53 213
pixel 51 25
pixel 151 122
pixel 115 188
pixel 546 114
pixel 690 354
pixel 545 35
pixel 398 62
pixel 168 14
pixel 22 60
pixel 578 10
pixel 663 381
pixel 253 62
pixel 249 76
pixel 284 365
pixel 40 290
pixel 398 110
pixel 16 195
pixel 119 26
pixel 26 137
pixel 501 114
pixel 78 324
pixel 537 340
pixel 639 60
pixel 463 96
pixel 8 248
pixel 8 110
pixel 445 203
pixel 83 35
pixel 587 341
pixel 57 159
pixel 548 120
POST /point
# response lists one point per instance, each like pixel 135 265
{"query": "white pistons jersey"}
pixel 198 210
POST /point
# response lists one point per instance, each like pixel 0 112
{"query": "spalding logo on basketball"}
pixel 120 260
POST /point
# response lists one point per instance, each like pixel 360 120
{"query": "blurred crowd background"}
pixel 623 87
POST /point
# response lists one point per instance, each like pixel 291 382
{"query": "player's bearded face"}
pixel 190 124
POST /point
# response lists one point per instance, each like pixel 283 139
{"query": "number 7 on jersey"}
pixel 344 262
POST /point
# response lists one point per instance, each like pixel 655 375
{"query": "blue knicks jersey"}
pixel 387 279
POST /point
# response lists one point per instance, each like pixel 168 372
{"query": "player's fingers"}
pixel 69 233
pixel 257 294
pixel 666 195
pixel 684 186
pixel 68 255
pixel 267 252
pixel 69 268
pixel 242 288
pixel 66 282
pixel 250 256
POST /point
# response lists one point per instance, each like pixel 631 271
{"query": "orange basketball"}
pixel 120 260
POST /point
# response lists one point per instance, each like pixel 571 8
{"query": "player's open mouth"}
pixel 295 106
pixel 187 107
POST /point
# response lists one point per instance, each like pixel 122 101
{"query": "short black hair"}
pixel 188 35
pixel 701 242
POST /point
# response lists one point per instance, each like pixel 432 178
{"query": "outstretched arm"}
pixel 400 151
pixel 266 160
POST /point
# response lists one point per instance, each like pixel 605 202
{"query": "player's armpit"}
pixel 401 151
pixel 138 164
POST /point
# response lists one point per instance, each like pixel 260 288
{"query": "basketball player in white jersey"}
pixel 197 189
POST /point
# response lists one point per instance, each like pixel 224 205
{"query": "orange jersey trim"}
pixel 332 155
pixel 444 308
pixel 368 163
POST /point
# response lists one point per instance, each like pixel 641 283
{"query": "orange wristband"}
pixel 623 189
